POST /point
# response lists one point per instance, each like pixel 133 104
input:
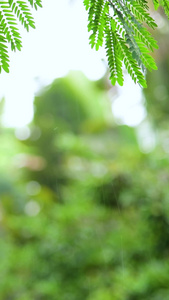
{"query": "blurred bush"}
pixel 92 221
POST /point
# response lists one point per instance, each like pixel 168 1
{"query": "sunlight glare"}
pixel 128 106
pixel 57 45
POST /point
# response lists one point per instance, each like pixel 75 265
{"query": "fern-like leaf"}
pixel 35 3
pixel 9 26
pixel 12 12
pixel 86 4
pixel 4 57
pixel 113 55
pixel 23 13
pixel 142 15
pixel 165 4
pixel 156 4
pixel 97 19
pixel 120 26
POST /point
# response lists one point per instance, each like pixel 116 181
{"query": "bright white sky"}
pixel 57 45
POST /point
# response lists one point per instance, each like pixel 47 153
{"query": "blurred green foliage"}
pixel 157 92
pixel 84 214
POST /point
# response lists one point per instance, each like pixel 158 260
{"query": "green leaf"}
pixel 10 13
pixel 119 26
pixel 5 66
pixel 156 4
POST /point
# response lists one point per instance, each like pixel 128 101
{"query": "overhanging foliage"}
pixel 12 11
pixel 121 26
